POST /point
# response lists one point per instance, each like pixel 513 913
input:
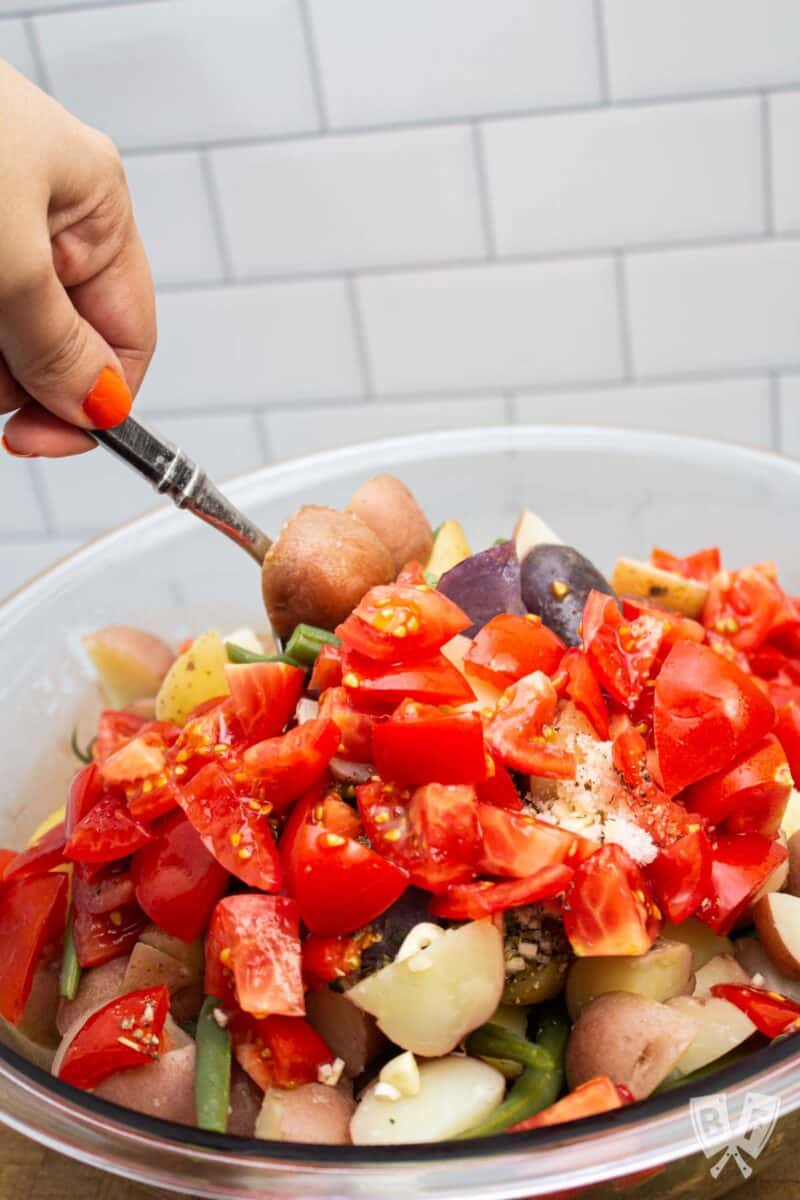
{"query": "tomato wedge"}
pixel 707 712
pixel 177 880
pixel 126 1032
pixel 772 1014
pixel 431 680
pixel 105 889
pixel 702 565
pixel 471 901
pixel 498 788
pixel 574 677
pixel 108 832
pixel 33 911
pixel 39 858
pixel 621 654
pixel 681 876
pixel 329 958
pixel 510 646
pixel 355 727
pixel 287 766
pixel 253 953
pixel 233 827
pixel 102 930
pixel 740 866
pixel 278 1051
pixel 750 795
pixel 519 732
pixel 748 606
pixel 421 744
pixel 609 908
pixel 6 857
pixel 84 792
pixel 596 1096
pixel 519 845
pixel 264 696
pixel 114 728
pixel 400 622
pixel 327 670
pixel 664 819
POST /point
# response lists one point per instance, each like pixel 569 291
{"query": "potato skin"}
pixel 635 1041
pixel 319 567
pixel 793 886
pixel 385 504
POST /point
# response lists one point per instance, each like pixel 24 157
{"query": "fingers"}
pixel 11 394
pixel 33 432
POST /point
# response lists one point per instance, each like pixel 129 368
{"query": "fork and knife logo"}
pixel 719 1136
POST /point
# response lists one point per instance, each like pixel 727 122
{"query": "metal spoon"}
pixel 173 473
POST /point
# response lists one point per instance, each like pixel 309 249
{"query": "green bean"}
pixel 537 1088
pixel 70 967
pixel 85 756
pixel 213 1072
pixel 493 1041
pixel 719 1064
pixel 238 654
pixel 306 642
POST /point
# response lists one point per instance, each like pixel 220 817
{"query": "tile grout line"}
pixel 263 440
pixel 775 412
pixel 601 45
pixel 360 336
pixel 15 14
pixel 314 65
pixel 765 123
pixel 624 317
pixel 483 190
pixel 37 54
pixel 217 220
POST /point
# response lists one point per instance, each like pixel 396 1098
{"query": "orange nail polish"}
pixel 109 401
pixel 15 453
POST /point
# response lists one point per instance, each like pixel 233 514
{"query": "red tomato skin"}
pixel 98 938
pixel 6 856
pixel 426 618
pixel 518 845
pixel 740 865
pixel 419 744
pixel 236 834
pixel 788 732
pixel 355 727
pixel 750 796
pixel 177 881
pixel 33 911
pixel 432 680
pixel 107 888
pixel 707 712
pixel 84 792
pixel 287 766
pixel 107 833
pixel 515 732
pixel 253 953
pixel 574 677
pixel 609 908
pixel 329 958
pixel 264 696
pixel 498 788
pixel 114 729
pixel 747 606
pixel 327 670
pixel 681 876
pixel 295 1051
pixel 588 1100
pixel 772 1014
pixel 621 655
pixel 471 901
pixel 510 646
pixel 702 565
pixel 96 1051
pixel 39 858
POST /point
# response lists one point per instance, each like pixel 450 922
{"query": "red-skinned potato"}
pixel 97 987
pixel 319 567
pixel 349 1033
pixel 385 504
pixel 777 922
pixel 130 662
pixel 633 1040
pixel 312 1112
pixel 793 883
pixel 160 1089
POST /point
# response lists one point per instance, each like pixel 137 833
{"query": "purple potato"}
pixel 555 583
pixel 485 584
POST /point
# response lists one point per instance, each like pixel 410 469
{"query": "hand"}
pixel 77 312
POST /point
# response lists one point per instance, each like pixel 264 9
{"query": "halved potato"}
pixel 777 921
pixel 348 1032
pixel 388 508
pixel 722 968
pixel 790 821
pixel 312 1112
pixel 663 972
pixel 720 1027
pixel 196 675
pixel 530 530
pixel 450 547
pixel 793 882
pixel 664 588
pixel 130 663
pixel 762 971
pixel 703 943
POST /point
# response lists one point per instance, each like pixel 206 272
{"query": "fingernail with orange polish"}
pixel 15 453
pixel 109 401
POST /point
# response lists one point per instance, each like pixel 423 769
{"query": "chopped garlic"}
pixel 402 1073
pixel 386 1091
pixel 307 710
pixel 221 1017
pixel 330 1073
pixel 419 938
pixel 758 980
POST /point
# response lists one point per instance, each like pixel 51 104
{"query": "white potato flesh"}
pixel 530 530
pixel 454 1093
pixel 663 972
pixel 130 663
pixel 427 1003
pixel 720 1025
pixel 486 696
pixel 196 675
pixel 665 588
pixel 777 921
pixel 309 1113
pixel 722 968
pixel 790 822
pixel 703 943
pixel 761 969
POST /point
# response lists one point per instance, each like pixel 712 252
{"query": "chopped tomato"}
pixel 498 788
pixel 84 792
pixel 400 622
pixel 278 1051
pixel 431 680
pixel 510 646
pixel 471 901
pixel 676 627
pixel 520 730
pixel 329 958
pixel 702 565
pixel 6 856
pixel 33 911
pixel 707 712
pixel 100 930
pixel 137 759
pixel 574 677
pixel 253 952
pixel 113 730
pixel 748 606
pixel 413 573
pixel 233 826
pixel 590 1099
pixel 39 858
pixel 264 696
pixel 327 670
pixel 621 654
pixel 681 875
pixel 287 766
pixel 664 819
pixel 609 908
pixel 750 795
pixel 772 1014
pixel 788 731
pixel 177 880
pixel 107 888
pixel 421 744
pixel 519 845
pixel 126 1032
pixel 432 832
pixel 107 832
pixel 740 866
pixel 355 727
pixel 338 817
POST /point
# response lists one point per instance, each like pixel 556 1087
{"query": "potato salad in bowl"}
pixel 470 843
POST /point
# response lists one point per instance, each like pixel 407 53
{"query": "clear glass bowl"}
pixel 608 491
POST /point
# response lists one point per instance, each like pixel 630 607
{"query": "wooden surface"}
pixel 29 1172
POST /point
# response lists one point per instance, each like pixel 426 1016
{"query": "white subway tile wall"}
pixel 366 217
